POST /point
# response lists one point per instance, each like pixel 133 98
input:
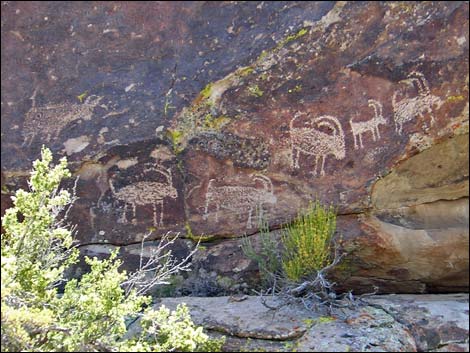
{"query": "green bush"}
pixel 267 258
pixel 307 242
pixel 91 314
pixel 305 247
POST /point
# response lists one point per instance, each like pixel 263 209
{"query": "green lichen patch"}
pixel 454 99
pixel 292 37
pixel 206 92
pixel 255 91
pixel 205 115
pixel 175 136
pixel 245 71
pixel 197 238
pixel 325 319
pixel 82 96
pixel 215 123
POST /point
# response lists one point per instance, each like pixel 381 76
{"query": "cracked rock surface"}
pixel 201 117
pixel 390 323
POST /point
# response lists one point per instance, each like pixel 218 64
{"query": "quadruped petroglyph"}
pixel 49 121
pixel 409 108
pixel 240 199
pixel 372 125
pixel 319 137
pixel 143 193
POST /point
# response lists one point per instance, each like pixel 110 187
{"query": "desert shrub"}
pixel 91 314
pixel 305 246
pixel 169 331
pixel 268 257
pixel 297 267
pixel 307 242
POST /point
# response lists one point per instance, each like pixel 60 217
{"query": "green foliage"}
pixel 36 247
pixel 91 313
pixel 95 308
pixel 307 242
pixel 267 258
pixel 305 249
pixel 173 331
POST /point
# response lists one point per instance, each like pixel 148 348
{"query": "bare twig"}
pixel 160 266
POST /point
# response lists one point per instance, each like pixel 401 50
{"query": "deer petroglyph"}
pixel 409 108
pixel 372 125
pixel 240 199
pixel 313 140
pixel 144 193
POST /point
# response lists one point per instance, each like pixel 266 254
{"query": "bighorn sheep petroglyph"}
pixel 48 121
pixel 311 140
pixel 372 125
pixel 240 199
pixel 410 107
pixel 146 192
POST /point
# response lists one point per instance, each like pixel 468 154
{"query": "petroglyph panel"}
pixel 50 120
pixel 372 125
pixel 410 107
pixel 319 137
pixel 167 63
pixel 239 199
pixel 142 193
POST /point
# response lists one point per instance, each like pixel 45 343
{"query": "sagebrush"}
pixel 37 247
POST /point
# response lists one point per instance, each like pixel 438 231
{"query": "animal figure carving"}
pixel 410 107
pixel 240 199
pixel 49 121
pixel 144 193
pixel 372 125
pixel 311 140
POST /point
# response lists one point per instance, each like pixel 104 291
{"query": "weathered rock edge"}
pixel 393 323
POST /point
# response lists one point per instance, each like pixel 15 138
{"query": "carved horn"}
pixel 331 122
pixel 265 180
pixel 376 106
pixel 166 173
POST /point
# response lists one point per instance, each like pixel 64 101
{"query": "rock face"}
pixel 199 117
pixel 390 323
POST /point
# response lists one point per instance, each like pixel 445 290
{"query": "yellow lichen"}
pixel 197 238
pixel 175 136
pixel 215 123
pixel 292 37
pixel 206 92
pixel 453 99
pixel 245 71
pixel 255 91
pixel 82 96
